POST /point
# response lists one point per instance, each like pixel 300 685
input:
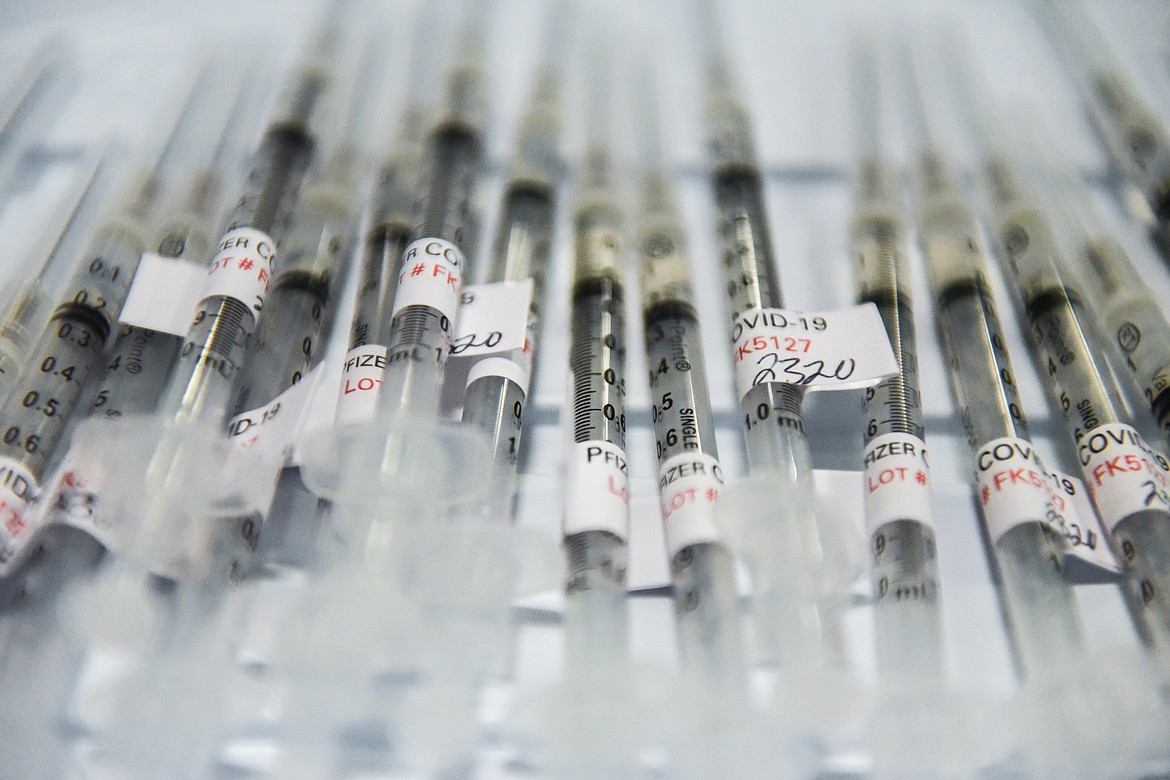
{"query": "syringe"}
pixel 595 525
pixel 391 219
pixel 1026 544
pixel 303 295
pixel 1131 131
pixel 241 270
pixel 497 387
pixel 777 447
pixel 1126 309
pixel 690 477
pixel 141 360
pixel 1127 479
pixel 433 267
pixel 35 417
pixel 386 239
pixel 908 614
pixel 596 521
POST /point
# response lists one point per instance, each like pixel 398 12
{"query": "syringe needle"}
pixel 905 574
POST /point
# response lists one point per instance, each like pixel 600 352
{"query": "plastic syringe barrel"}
pixel 703 570
pixel 141 361
pixel 1082 386
pixel 421 332
pixel 908 620
pixel 494 402
pixel 595 584
pixel 35 416
pixel 213 349
pixel 1039 600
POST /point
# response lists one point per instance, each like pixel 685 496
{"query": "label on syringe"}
pixel 897 481
pixel 361 379
pixel 430 275
pixel 164 293
pixel 689 485
pixel 18 488
pixel 1124 474
pixel 491 338
pixel 493 318
pixel 242 267
pixel 832 350
pixel 597 493
pixel 1014 487
pixel 516 368
pixel 1088 557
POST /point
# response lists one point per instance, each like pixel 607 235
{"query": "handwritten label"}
pixel 242 267
pixel 361 381
pixel 689 485
pixel 897 481
pixel 1088 557
pixel 431 275
pixel 597 494
pixel 835 350
pixel 1124 474
pixel 164 293
pixel 493 319
pixel 1015 489
pixel 492 338
pixel 18 489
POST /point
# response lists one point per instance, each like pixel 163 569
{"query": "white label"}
pixel 361 380
pixel 268 430
pixel 597 494
pixel 493 318
pixel 897 481
pixel 1014 487
pixel 242 267
pixel 1088 557
pixel 18 489
pixel 1124 474
pixel 505 367
pixel 164 293
pixel 431 275
pixel 492 338
pixel 689 484
pixel 835 350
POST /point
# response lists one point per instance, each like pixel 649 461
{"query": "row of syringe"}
pixel 420 326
